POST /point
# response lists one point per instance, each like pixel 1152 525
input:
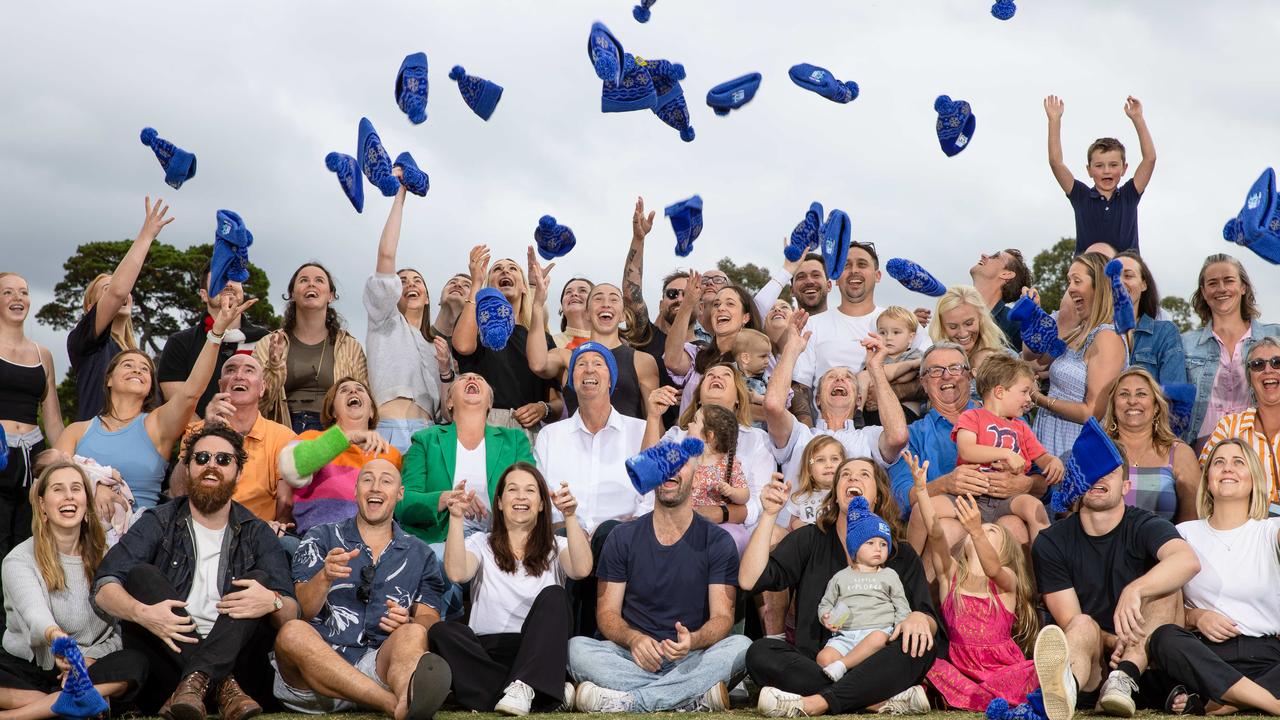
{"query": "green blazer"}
pixel 428 471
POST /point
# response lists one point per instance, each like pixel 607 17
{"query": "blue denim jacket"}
pixel 1157 348
pixel 1203 352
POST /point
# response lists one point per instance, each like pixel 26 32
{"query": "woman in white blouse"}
pixel 1227 657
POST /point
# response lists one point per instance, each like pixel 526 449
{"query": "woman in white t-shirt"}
pixel 1232 661
pixel 512 655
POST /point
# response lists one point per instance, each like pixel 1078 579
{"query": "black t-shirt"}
pixel 507 371
pixel 668 584
pixel 657 347
pixel 89 355
pixel 183 347
pixel 1100 567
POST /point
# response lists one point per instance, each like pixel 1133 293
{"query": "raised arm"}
pixel 892 418
pixel 777 418
pixel 673 355
pixel 1141 176
pixel 576 562
pixel 52 412
pixel 656 403
pixel 756 557
pixel 969 516
pixel 466 336
pixel 939 556
pixel 1053 107
pixel 459 564
pixel 544 362
pixel 633 268
pixel 127 271
pixel 389 243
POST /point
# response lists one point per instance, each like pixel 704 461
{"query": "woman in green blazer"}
pixel 432 471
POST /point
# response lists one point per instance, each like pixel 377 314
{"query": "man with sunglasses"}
pixel 999 279
pixel 945 377
pixel 368 592
pixel 193 583
pixel 1259 425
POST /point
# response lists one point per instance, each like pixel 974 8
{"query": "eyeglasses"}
pixel 953 370
pixel 672 293
pixel 714 280
pixel 1257 364
pixel 366 584
pixel 223 459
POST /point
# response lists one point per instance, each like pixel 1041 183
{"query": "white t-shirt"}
pixel 470 465
pixel 1239 573
pixel 803 506
pixel 206 588
pixel 500 601
pixel 837 342
pixel 857 442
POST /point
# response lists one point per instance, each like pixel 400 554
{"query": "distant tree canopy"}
pixel 1049 272
pixel 1180 312
pixel 750 276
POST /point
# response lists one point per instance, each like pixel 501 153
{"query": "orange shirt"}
pixel 259 479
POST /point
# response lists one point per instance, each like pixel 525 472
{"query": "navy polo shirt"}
pixel 1114 221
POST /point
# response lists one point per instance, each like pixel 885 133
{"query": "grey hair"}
pixel 1268 341
pixel 941 345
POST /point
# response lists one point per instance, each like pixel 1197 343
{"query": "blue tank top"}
pixel 130 451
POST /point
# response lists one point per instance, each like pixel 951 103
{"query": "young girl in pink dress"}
pixel 719 480
pixel 986 606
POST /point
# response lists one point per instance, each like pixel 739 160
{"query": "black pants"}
pixel 583 591
pixel 776 663
pixel 484 665
pixel 233 647
pixel 1210 668
pixel 15 501
pixel 120 666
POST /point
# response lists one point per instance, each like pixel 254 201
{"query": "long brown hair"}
pixel 328 417
pixel 1026 622
pixel 804 479
pixel 1248 300
pixel 710 354
pixel 886 507
pixel 743 411
pixel 1162 437
pixel 93 541
pixel 148 403
pixel 424 326
pixel 92 294
pixel 540 549
pixel 332 320
pixel 722 424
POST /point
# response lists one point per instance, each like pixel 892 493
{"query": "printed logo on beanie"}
pixel 1254 201
pixel 962 140
pixel 225 229
pixel 737 96
pixel 884 528
pixel 817 75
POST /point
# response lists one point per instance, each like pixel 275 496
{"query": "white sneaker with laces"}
pixel 911 701
pixel 716 699
pixel 567 705
pixel 1053 668
pixel 1116 698
pixel 777 703
pixel 516 700
pixel 591 698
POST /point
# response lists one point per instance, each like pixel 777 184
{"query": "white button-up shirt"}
pixel 594 466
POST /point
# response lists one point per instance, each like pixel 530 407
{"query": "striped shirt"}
pixel 1246 426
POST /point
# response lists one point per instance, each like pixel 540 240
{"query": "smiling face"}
pixel 823 460
pixel 718 387
pixel 413 291
pixel 1134 405
pixel 1222 289
pixel 858 281
pixel 1131 278
pixel 456 289
pixel 519 499
pixel 1266 380
pixel 728 315
pixel 470 393
pixel 710 284
pixel 242 378
pixel 962 325
pixel 378 489
pixel 1106 168
pixel 573 299
pixel 837 390
pixel 775 323
pixel 1080 290
pixel 64 499
pixel 591 377
pixel 992 267
pixel 15 298
pixel 130 374
pixel 674 492
pixel 210 484
pixel 604 308
pixel 672 295
pixel 1228 476
pixel 855 477
pixel 312 288
pixel 809 286
pixel 1014 400
pixel 352 406
pixel 505 276
pixel 949 389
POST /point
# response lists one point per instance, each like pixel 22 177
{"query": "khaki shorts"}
pixel 310 703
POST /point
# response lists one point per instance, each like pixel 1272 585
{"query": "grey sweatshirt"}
pixel 872 599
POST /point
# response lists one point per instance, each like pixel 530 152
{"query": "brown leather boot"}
pixel 187 700
pixel 233 703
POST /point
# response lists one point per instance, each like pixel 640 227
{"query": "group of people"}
pixel 856 507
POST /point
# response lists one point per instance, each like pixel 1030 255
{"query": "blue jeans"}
pixel 399 432
pixel 675 685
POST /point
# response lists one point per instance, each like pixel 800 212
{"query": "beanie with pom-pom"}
pixel 349 177
pixel 553 239
pixel 480 95
pixel 956 124
pixel 1003 9
pixel 670 105
pixel 862 525
pixel 374 161
pixel 660 463
pixel 641 12
pixel 1122 313
pixel 998 709
pixel 79 698
pixel 412 177
pixel 495 319
pixel 179 165
pixel 820 80
pixel 411 87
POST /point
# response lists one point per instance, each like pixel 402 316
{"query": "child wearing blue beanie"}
pixel 865 601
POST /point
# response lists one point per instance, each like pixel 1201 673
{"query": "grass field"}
pixel 735 715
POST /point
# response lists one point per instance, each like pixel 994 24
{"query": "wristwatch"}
pixel 279 601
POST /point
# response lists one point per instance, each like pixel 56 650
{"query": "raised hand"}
pixel 539 277
pixel 564 501
pixel 774 495
pixel 967 513
pixel 662 398
pixel 919 472
pixel 876 351
pixel 1133 108
pixel 370 442
pixel 219 410
pixel 458 500
pixel 275 349
pixel 337 563
pixel 444 359
pixel 641 224
pixel 923 316
pixel 229 313
pixel 478 265
pixel 1053 107
pixel 1032 293
pixel 156 219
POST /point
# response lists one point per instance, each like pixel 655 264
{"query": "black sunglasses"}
pixel 224 459
pixel 1257 364
pixel 366 584
pixel 672 293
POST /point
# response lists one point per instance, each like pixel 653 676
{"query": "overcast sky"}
pixel 262 91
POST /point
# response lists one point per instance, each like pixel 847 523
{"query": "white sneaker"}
pixel 591 698
pixel 835 670
pixel 567 705
pixel 1053 667
pixel 516 700
pixel 911 701
pixel 1116 698
pixel 777 703
pixel 716 699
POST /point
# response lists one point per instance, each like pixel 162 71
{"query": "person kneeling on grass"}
pixel 368 592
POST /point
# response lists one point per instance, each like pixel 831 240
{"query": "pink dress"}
pixel 984 662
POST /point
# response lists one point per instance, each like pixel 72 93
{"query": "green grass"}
pixel 735 714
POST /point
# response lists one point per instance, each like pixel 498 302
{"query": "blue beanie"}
pixel 1257 226
pixel 956 123
pixel 864 525
pixel 914 278
pixel 669 104
pixel 604 352
pixel 656 465
pixel 349 178
pixel 411 87
pixel 553 240
pixel 495 319
pixel 1182 399
pixel 1003 9
pixel 805 235
pixel 641 12
pixel 1122 306
pixel 179 165
pixel 413 178
pixel 481 95
pixel 835 232
pixel 230 252
pixel 633 92
pixel 1093 457
pixel 605 52
pixel 375 163
pixel 686 221
pixel 79 698
pixel 734 93
pixel 4 455
pixel 1038 328
pixel 820 80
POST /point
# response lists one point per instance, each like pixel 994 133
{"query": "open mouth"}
pixel 505 282
pixel 240 387
pixel 1270 383
pixel 852 491
pixel 471 388
pixel 944 387
pixel 210 478
pixel 1098 489
pixel 590 381
pixel 715 384
pixel 605 316
pixel 17 307
pixel 520 507
pixel 355 401
pixel 310 295
pixel 68 510
pixel 375 501
pixel 722 319
pixel 839 391
pixel 412 295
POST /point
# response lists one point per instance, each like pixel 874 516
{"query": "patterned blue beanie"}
pixel 414 179
pixel 480 95
pixel 79 698
pixel 660 463
pixel 914 278
pixel 733 94
pixel 553 240
pixel 1122 306
pixel 603 352
pixel 495 318
pixel 864 525
pixel 1182 399
pixel 411 87
pixel 230 252
pixel 179 165
pixel 605 52
pixel 349 177
pixel 669 105
pixel 641 11
pixel 1093 457
pixel 805 236
pixel 375 163
pixel 820 80
pixel 956 123
pixel 1039 329
pixel 633 92
pixel 686 221
pixel 1003 9
pixel 1257 226
pixel 836 232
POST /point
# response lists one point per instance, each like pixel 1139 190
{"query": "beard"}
pixel 674 498
pixel 209 500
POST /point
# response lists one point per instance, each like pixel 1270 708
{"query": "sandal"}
pixel 1193 705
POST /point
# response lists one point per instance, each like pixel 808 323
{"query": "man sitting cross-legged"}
pixel 368 592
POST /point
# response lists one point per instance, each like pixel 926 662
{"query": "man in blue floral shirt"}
pixel 368 591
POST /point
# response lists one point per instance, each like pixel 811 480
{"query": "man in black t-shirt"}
pixel 668 580
pixel 1109 575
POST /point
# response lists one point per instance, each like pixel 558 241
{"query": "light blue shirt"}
pixel 929 438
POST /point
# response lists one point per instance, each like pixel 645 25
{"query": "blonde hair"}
pixel 900 314
pixel 1162 437
pixel 524 313
pixel 1102 308
pixel 749 340
pixel 743 396
pixel 990 336
pixel 92 294
pixel 1026 621
pixel 1257 478
pixel 93 541
pixel 805 479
